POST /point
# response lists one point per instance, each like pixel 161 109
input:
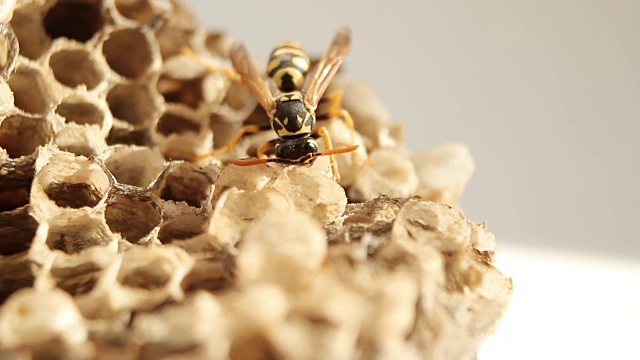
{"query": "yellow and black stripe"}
pixel 288 66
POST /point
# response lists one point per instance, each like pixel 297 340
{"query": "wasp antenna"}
pixel 249 162
pixel 337 151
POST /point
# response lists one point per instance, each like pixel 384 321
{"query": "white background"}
pixel 545 93
pixel 547 96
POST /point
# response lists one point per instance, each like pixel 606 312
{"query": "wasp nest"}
pixel 114 244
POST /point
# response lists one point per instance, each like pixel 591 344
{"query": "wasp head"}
pixel 296 151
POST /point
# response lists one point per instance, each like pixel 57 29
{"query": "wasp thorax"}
pixel 292 117
pixel 297 151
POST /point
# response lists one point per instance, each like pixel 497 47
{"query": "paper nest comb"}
pixel 109 250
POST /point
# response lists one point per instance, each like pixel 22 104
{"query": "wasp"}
pixel 293 111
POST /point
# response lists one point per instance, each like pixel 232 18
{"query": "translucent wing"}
pixel 327 67
pixel 251 77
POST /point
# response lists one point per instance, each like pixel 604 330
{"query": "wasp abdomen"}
pixel 288 66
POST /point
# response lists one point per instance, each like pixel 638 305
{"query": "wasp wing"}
pixel 328 65
pixel 251 77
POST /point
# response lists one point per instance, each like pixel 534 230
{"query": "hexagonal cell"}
pixel 172 35
pixel 82 111
pixel 182 227
pixel 80 140
pixel 133 103
pixel 128 52
pixel 186 182
pixel 239 98
pixel 188 92
pixel 77 280
pixel 138 10
pixel 27 24
pixel 146 269
pixel 17 229
pixel 21 135
pixel 134 165
pixel 16 178
pixel 16 272
pixel 73 232
pixel 120 136
pixel 133 219
pixel 218 44
pixel 173 123
pixel 76 67
pixel 213 274
pixel 30 90
pixel 73 181
pixel 74 19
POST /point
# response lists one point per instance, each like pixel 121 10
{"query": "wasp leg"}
pixel 334 101
pixel 232 75
pixel 262 150
pixel 322 132
pixel 249 129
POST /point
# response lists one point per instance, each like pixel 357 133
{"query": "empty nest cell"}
pixel 16 178
pixel 135 166
pixel 145 270
pixel 181 227
pixel 81 111
pixel 128 52
pixel 133 219
pixel 171 122
pixel 74 19
pixel 21 135
pixel 30 90
pixel 16 273
pixel 17 229
pixel 213 274
pixel 27 24
pixel 133 103
pixel 77 280
pixel 187 92
pixel 73 233
pixel 138 10
pixel 73 181
pixel 186 182
pixel 76 67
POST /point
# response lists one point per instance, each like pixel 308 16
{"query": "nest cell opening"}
pixel 80 112
pixel 75 68
pixel 187 92
pixel 209 274
pixel 17 229
pixel 171 123
pixel 72 195
pixel 76 234
pixel 21 135
pixel 29 91
pixel 78 280
pixel 132 103
pixel 184 183
pixel 152 275
pixel 27 25
pixel 128 52
pixel 182 227
pixel 74 19
pixel 238 97
pixel 135 166
pixel 138 10
pixel 218 44
pixel 132 219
